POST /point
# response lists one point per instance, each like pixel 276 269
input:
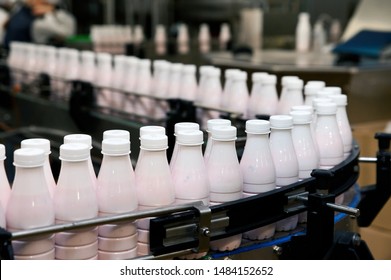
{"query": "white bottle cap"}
pixel 340 100
pixel 324 93
pixel 158 63
pixel 190 137
pixel 269 80
pixel 257 127
pixel 281 121
pixel 215 72
pixel 217 122
pixel 115 147
pixel 240 76
pixel 87 55
pixel 37 143
pixel 78 138
pixel 301 117
pixel 154 142
pixel 317 101
pixel 228 73
pixel 189 69
pixel 145 63
pixel 2 152
pixel 294 84
pixel 312 89
pixel 176 67
pixel 185 126
pixel 334 90
pixel 29 157
pixel 205 69
pixel 306 108
pixel 326 108
pixel 224 133
pixel 118 59
pixel 152 129
pixel 74 152
pixel 318 84
pixel 287 78
pixel 257 76
pixel 103 57
pixel 116 133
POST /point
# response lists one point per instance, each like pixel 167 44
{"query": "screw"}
pixel 277 250
pixel 356 240
pixel 205 231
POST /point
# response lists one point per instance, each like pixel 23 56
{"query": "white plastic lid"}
pixel 281 121
pixel 190 137
pixel 269 80
pixel 87 55
pixel 215 72
pixel 2 152
pixel 186 126
pixel 217 122
pixel 341 100
pixel 257 76
pixel 152 129
pixel 29 157
pixel 224 133
pixel 157 63
pixel 73 53
pixel 294 84
pixel 317 101
pixel 116 133
pixel 334 90
pixel 205 69
pixel 176 67
pixel 74 152
pixel 319 84
pixel 118 59
pixel 321 93
pixel 326 108
pixel 154 142
pixel 115 147
pixel 189 69
pixel 37 143
pixel 301 117
pixel 306 108
pixel 103 57
pixel 312 89
pixel 78 138
pixel 257 127
pixel 230 72
pixel 145 62
pixel 240 76
pixel 287 78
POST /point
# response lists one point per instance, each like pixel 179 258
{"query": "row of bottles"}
pixel 277 153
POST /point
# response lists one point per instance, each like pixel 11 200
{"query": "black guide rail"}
pixel 374 197
pixel 181 231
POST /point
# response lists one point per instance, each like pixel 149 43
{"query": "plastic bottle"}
pixel 30 205
pixel 266 96
pixel 281 108
pixel 211 124
pixel 160 40
pixel 161 78
pixel 189 170
pixel 224 36
pixel 183 126
pixel 258 170
pixel 43 144
pixel 204 38
pixel 87 140
pixel 285 160
pixel 183 39
pixel 188 86
pixel 174 80
pixel 225 178
pixel 343 123
pixel 87 67
pixel 239 94
pixel 311 90
pixel 203 70
pixel 117 81
pixel 117 194
pixel 228 74
pixel 327 133
pixel 303 33
pixel 138 36
pixel 5 189
pixel 74 200
pixel 212 89
pixel 132 72
pixel 155 187
pixel 293 96
pixel 103 79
